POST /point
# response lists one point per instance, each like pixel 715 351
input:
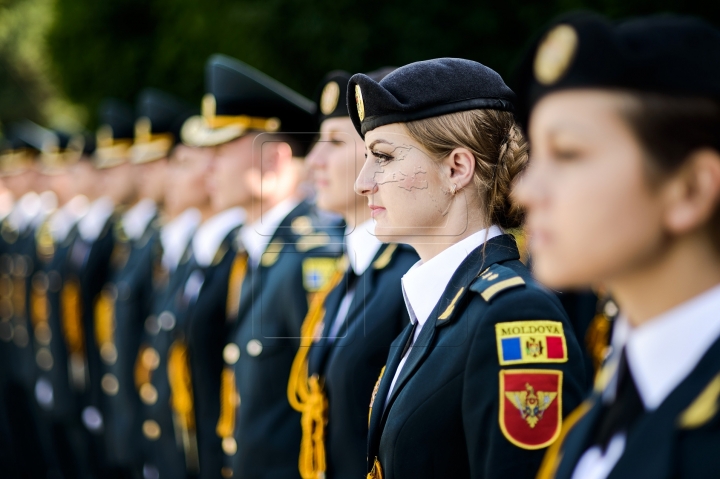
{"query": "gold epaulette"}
pixel 494 280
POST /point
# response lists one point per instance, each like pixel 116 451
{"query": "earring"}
pixel 453 190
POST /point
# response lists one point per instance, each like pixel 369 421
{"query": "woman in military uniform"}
pixel 624 191
pixel 479 381
pixel 349 328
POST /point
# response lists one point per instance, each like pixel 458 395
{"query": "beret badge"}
pixel 360 104
pixel 329 98
pixel 555 54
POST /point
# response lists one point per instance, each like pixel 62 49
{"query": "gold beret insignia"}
pixel 360 104
pixel 555 54
pixel 329 98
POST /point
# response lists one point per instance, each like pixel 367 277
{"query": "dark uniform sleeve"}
pixel 524 374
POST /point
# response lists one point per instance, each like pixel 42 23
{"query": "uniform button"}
pixel 151 325
pixel 92 419
pixel 44 359
pixel 148 394
pixel 6 331
pixel 231 353
pixel 44 393
pixel 254 347
pixel 40 281
pixel 167 320
pixel 110 384
pixel 109 353
pixel 151 359
pixel 151 429
pixel 610 309
pixel 43 335
pixel 229 446
pixel 20 336
pixel 226 472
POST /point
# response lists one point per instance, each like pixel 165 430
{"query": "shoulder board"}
pixel 495 279
pixel 306 243
pixel 384 259
pixel 703 408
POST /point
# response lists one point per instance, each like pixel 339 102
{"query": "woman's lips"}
pixel 375 210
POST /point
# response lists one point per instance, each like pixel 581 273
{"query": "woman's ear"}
pixel 460 168
pixel 693 195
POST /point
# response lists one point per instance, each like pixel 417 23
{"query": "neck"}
pixel 206 212
pixel 258 207
pixel 460 222
pixel 683 270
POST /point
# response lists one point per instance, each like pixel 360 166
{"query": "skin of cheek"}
pixel 335 169
pixel 410 188
pixel 601 219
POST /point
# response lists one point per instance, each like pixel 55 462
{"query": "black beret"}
pixel 664 54
pixel 20 148
pixel 331 95
pixel 239 99
pixel 115 134
pixel 160 117
pixel 423 90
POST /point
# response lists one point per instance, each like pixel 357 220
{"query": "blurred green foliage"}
pixel 104 48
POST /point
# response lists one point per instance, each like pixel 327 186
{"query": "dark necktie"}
pixel 624 411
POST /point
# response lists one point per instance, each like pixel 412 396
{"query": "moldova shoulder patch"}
pixel 537 341
pixel 531 406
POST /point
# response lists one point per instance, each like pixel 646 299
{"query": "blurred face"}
pixel 335 161
pixel 152 179
pixel 21 183
pixel 230 181
pixel 187 173
pixel 405 189
pixel 86 178
pixel 119 183
pixel 591 213
pixel 63 185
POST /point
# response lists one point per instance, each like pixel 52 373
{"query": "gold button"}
pixel 151 359
pixel 229 446
pixel 226 472
pixel 44 359
pixel 231 353
pixel 611 309
pixel 151 429
pixel 148 394
pixel 167 320
pixel 254 347
pixel 108 353
pixel 43 335
pixel 110 384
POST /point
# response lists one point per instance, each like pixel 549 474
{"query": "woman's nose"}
pixel 365 184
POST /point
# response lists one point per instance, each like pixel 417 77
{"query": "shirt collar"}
pixel 662 352
pixel 25 211
pixel 175 237
pixel 64 218
pixel 424 284
pixel 91 225
pixel 255 237
pixel 136 219
pixel 210 235
pixel 362 245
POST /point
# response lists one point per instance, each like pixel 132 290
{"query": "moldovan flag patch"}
pixel 531 406
pixel 525 342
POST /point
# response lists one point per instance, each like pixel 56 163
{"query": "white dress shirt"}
pixel 661 353
pixel 424 284
pixel 255 237
pixel 25 211
pixel 135 220
pixel 210 235
pixel 175 237
pixel 361 246
pixel 63 219
pixel 92 224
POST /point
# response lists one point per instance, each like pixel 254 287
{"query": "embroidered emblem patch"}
pixel 317 272
pixel 531 407
pixel 525 342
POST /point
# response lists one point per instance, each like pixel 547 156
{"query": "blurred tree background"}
pixel 59 58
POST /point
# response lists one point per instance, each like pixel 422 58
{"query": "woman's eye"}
pixel 566 154
pixel 381 157
pixel 336 142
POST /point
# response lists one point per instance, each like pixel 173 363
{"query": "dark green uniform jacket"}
pixel 351 363
pixel 301 257
pixel 484 387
